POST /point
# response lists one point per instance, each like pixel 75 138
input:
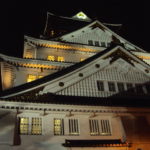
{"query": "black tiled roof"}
pixel 125 100
pixel 62 25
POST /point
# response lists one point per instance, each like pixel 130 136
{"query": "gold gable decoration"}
pixel 81 16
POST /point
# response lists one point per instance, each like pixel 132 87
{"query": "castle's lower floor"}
pixel 65 127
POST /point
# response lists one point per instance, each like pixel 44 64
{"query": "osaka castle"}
pixel 78 86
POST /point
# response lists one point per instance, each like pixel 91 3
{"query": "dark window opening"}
pixel 147 88
pixel 103 44
pixel 96 43
pixel 111 86
pixel 90 42
pixel 108 44
pixel 130 88
pixel 120 87
pixel 139 88
pixel 100 85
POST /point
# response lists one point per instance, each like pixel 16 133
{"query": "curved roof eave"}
pixel 40 82
pixel 45 80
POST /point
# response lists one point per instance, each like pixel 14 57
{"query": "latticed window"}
pixel 99 127
pixel 24 125
pixel 100 85
pixel 73 127
pixel 105 127
pixel 60 58
pixel 120 87
pixel 58 126
pixel 51 58
pixel 111 86
pixel 36 127
pixel 94 127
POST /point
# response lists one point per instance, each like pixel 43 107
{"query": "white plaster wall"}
pixel 83 118
pixel 85 34
pixel 47 141
pixel 7 124
pixel 116 72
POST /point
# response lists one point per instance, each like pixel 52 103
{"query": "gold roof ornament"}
pixel 81 16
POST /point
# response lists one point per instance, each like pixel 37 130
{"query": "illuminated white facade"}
pixel 75 90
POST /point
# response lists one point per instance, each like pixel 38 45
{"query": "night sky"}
pixel 28 18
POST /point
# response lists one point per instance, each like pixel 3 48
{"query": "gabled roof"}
pixel 97 24
pixel 38 85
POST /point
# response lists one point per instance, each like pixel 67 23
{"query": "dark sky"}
pixel 26 17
